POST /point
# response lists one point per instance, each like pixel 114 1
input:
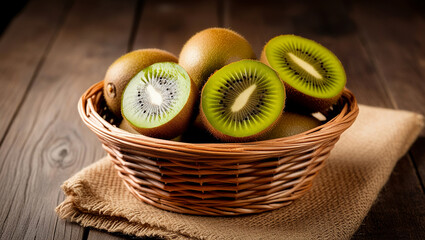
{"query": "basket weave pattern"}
pixel 217 178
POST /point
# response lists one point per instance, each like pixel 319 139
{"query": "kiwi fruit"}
pixel 124 69
pixel 291 124
pixel 211 49
pixel 314 77
pixel 242 101
pixel 158 101
pixel 125 125
pixel 197 133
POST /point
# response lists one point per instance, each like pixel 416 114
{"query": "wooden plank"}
pixel 394 36
pixel 258 22
pixel 418 156
pixel 22 49
pixel 9 11
pixel 399 211
pixel 169 24
pixel 47 142
pixel 399 52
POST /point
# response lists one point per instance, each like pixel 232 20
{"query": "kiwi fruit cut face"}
pixel 124 69
pixel 158 101
pixel 313 75
pixel 242 100
pixel 291 124
pixel 210 50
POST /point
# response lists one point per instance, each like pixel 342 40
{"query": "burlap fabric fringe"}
pixel 340 198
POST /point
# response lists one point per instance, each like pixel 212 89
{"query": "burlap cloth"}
pixel 340 198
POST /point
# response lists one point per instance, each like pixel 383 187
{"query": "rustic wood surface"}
pixel 53 50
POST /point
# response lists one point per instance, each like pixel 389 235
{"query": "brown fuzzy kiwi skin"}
pixel 126 126
pixel 211 49
pixel 125 68
pixel 291 124
pixel 176 126
pixel 226 138
pixel 197 133
pixel 298 101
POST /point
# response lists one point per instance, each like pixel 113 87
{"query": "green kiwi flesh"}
pixel 159 100
pixel 291 124
pixel 242 100
pixel 313 75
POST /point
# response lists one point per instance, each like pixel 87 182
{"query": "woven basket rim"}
pixel 89 115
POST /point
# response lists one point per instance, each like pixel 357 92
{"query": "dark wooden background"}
pixel 54 50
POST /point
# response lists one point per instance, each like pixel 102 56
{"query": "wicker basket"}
pixel 217 178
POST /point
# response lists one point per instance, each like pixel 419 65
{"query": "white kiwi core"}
pixel 243 98
pixel 154 95
pixel 306 66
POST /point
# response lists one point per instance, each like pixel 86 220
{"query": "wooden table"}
pixel 54 50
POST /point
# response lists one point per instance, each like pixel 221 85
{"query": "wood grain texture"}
pixel 394 36
pixel 44 70
pixel 168 24
pixel 22 49
pixel 47 142
pixel 417 153
pixel 398 49
pixel 399 211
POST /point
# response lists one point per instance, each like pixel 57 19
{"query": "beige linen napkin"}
pixel 340 198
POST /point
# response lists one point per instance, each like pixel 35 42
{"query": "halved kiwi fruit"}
pixel 211 49
pixel 242 100
pixel 124 68
pixel 159 100
pixel 314 77
pixel 291 124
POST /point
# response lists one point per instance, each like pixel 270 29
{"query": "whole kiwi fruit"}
pixel 197 133
pixel 159 101
pixel 125 68
pixel 242 101
pixel 314 77
pixel 211 49
pixel 125 125
pixel 291 124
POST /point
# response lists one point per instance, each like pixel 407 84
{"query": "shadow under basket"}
pixel 217 178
